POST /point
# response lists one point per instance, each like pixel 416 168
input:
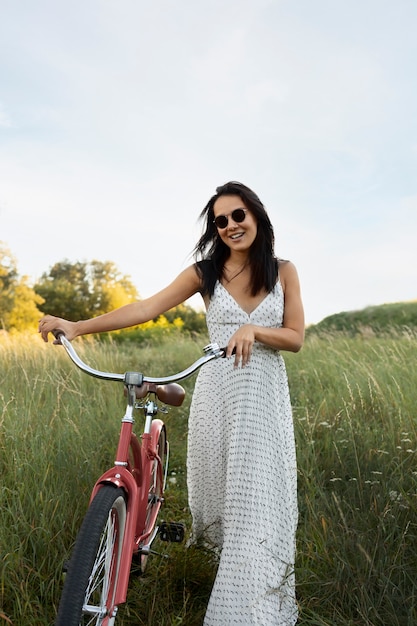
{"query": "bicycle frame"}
pixel 136 489
pixel 132 476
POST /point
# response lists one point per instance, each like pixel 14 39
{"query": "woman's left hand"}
pixel 241 344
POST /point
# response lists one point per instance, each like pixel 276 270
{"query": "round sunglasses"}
pixel 238 215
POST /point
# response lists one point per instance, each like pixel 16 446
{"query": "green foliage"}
pixel 399 316
pixel 194 321
pixel 110 289
pixel 8 269
pixel 82 290
pixel 354 404
pixel 181 321
pixel 18 302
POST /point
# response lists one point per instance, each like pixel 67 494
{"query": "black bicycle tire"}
pixel 85 551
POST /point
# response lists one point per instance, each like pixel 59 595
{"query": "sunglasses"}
pixel 238 216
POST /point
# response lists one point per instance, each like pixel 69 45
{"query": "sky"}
pixel 118 119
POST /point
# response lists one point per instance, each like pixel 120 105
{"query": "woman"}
pixel 241 463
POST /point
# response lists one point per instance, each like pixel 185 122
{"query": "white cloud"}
pixel 119 120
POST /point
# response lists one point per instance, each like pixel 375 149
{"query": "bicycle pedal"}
pixel 172 531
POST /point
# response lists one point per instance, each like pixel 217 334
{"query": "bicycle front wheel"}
pixel 90 584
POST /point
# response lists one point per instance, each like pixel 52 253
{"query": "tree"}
pixel 82 290
pixel 8 280
pixel 194 321
pixel 18 301
pixel 65 290
pixel 25 313
pixel 110 289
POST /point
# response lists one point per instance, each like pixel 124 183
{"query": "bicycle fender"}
pixel 157 426
pixel 121 477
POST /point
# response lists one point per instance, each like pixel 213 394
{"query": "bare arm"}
pixel 289 337
pixel 183 287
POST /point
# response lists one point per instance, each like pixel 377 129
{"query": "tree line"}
pixel 77 290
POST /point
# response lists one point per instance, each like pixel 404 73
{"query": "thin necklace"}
pixel 229 280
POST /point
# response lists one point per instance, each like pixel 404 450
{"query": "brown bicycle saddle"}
pixel 171 393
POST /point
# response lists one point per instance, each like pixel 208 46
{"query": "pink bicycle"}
pixel 121 520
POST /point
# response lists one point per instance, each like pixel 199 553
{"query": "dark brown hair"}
pixel 211 252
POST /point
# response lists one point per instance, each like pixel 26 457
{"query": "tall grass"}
pixel 355 409
pixel 355 418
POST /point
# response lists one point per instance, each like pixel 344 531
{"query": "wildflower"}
pixel 395 496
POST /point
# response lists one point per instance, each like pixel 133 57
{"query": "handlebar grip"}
pixel 58 334
pixel 224 351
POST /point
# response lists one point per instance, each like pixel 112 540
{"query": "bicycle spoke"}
pixel 92 576
pixel 101 574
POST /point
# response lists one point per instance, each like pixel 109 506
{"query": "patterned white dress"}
pixel 242 472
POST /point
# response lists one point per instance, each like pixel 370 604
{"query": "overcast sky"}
pixel 118 119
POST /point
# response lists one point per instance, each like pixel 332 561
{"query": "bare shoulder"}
pixel 293 309
pixel 191 275
pixel 288 274
pixel 187 283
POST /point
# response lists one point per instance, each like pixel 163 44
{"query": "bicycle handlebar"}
pixel 212 351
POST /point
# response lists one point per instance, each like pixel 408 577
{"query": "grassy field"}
pixel 355 405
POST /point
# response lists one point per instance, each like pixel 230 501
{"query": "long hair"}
pixel 211 253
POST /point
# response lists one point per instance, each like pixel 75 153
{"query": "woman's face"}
pixel 237 235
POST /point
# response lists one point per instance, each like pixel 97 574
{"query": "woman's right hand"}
pixel 50 323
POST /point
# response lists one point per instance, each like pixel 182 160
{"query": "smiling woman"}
pixel 237 215
pixel 254 308
pixel 237 227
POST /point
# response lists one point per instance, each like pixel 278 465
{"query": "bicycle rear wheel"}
pixel 93 570
pixel 156 482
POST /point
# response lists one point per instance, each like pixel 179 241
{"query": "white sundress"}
pixel 241 471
